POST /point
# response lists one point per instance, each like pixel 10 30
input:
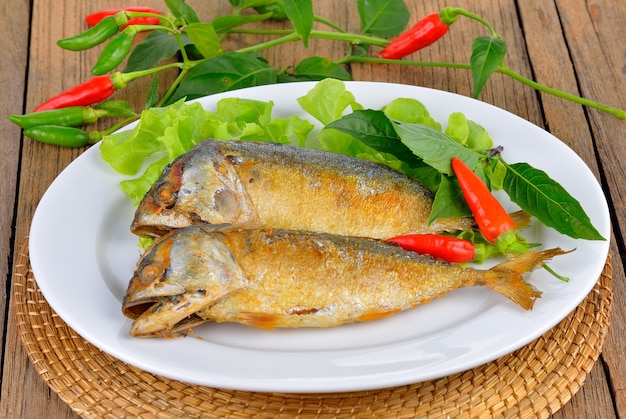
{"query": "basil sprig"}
pixel 530 188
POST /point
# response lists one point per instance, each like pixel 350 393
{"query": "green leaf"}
pixel 223 24
pixel 541 196
pixel 225 72
pixel 181 9
pixel 245 4
pixel 116 108
pixel 300 13
pixel 244 110
pixel 435 147
pixel 458 128
pixel 495 172
pixel 449 201
pixel 327 101
pixel 152 98
pixel 487 55
pixel 412 111
pixel 276 8
pixel 386 18
pixel 478 137
pixel 291 130
pixel 157 46
pixel 319 68
pixel 204 38
pixel 374 129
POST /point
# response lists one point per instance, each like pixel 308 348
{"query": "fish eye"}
pixel 227 204
pixel 164 196
pixel 150 273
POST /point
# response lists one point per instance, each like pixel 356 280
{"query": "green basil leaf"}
pixel 181 9
pixel 487 55
pixel 319 68
pixel 300 13
pixel 449 201
pixel 386 18
pixel 229 71
pixel 435 147
pixel 541 196
pixel 374 129
pixel 157 46
pixel 223 24
pixel 204 38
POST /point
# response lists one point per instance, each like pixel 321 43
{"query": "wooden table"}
pixel 572 45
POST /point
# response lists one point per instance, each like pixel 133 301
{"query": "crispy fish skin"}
pixel 283 278
pixel 281 186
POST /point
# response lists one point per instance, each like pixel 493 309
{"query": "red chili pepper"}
pixel 94 18
pixel 92 91
pixel 450 249
pixel 424 33
pixel 491 218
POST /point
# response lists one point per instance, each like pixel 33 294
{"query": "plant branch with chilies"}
pixel 204 68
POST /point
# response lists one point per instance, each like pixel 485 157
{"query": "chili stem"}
pixel 619 113
pixel 120 124
pixel 560 277
pixel 293 36
pixel 327 23
pixel 463 12
pixel 338 36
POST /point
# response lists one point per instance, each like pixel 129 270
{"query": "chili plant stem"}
pixel 338 36
pixel 619 113
pixel 327 23
pixel 463 12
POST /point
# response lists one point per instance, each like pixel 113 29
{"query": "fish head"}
pixel 183 272
pixel 201 185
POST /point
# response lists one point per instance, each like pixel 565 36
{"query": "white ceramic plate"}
pixel 83 256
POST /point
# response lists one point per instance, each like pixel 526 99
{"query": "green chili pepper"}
pixel 74 116
pixel 96 35
pixel 63 136
pixel 115 51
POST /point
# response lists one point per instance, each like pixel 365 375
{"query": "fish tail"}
pixel 507 278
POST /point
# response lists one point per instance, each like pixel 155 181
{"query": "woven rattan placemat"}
pixel 534 381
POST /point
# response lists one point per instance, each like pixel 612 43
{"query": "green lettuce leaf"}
pixel 327 101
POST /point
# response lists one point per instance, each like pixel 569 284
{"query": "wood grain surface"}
pixel 573 45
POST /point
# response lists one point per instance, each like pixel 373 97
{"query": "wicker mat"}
pixel 534 381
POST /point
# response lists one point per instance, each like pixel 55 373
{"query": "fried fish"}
pixel 270 278
pixel 281 186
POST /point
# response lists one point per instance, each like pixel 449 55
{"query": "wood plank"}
pixel 553 66
pixel 594 33
pixel 14 19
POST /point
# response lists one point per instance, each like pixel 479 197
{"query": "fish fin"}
pixel 265 321
pixel 507 277
pixel 375 315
